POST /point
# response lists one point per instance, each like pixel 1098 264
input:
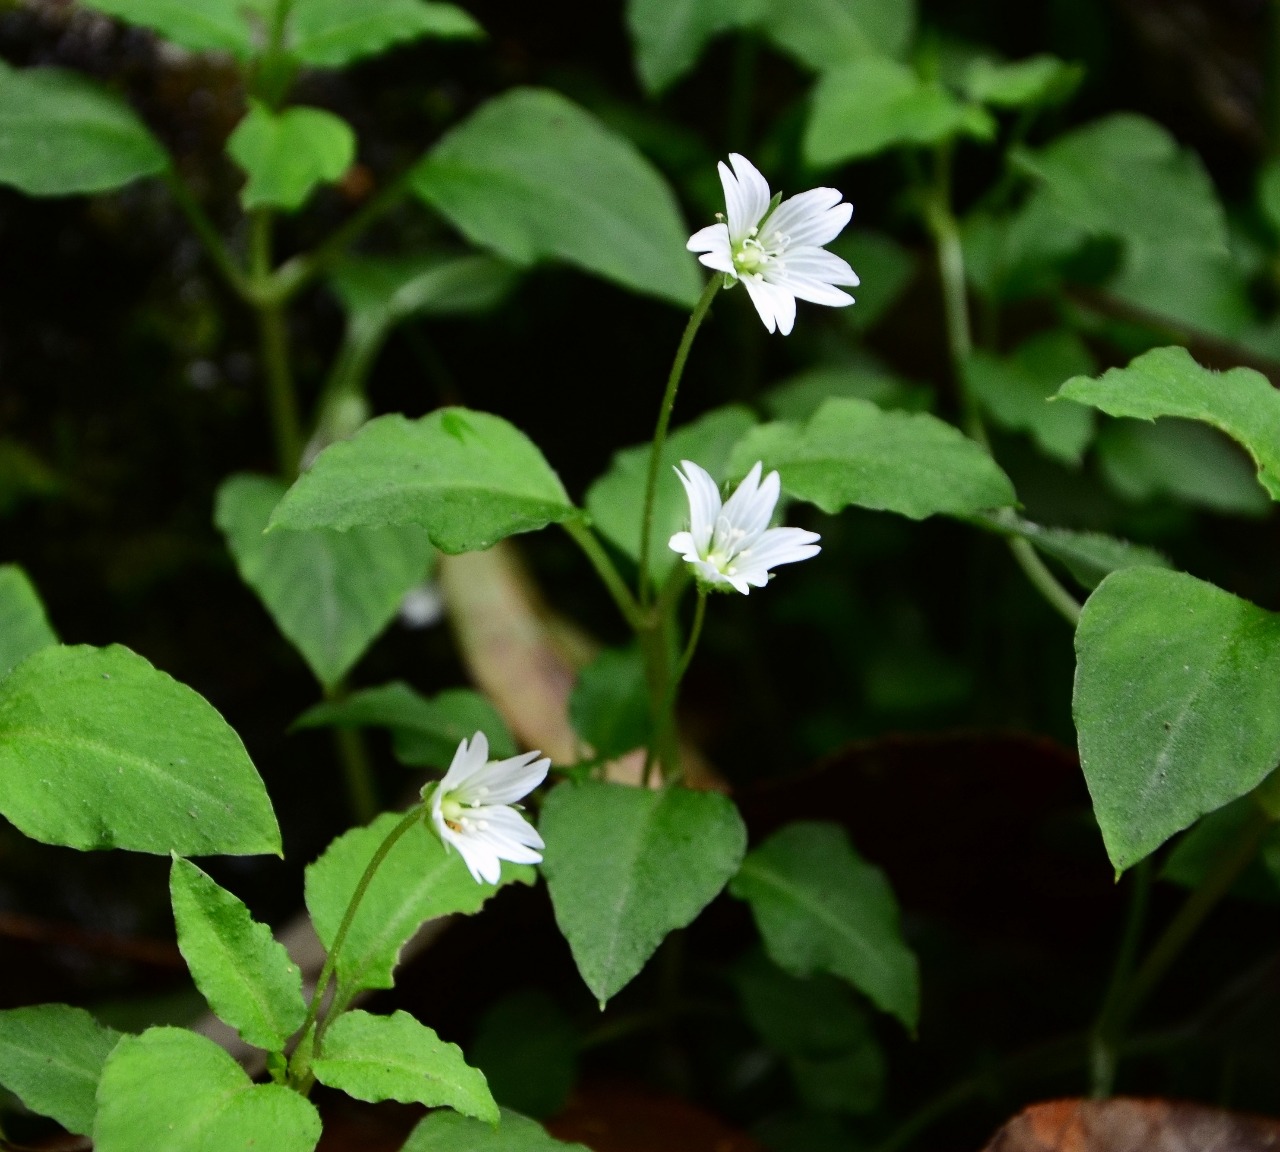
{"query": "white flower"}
pixel 777 252
pixel 471 808
pixel 733 544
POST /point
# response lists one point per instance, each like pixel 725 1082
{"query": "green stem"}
pixel 354 758
pixel 1102 1052
pixel 207 234
pixel 1121 1007
pixel 606 570
pixel 700 311
pixel 273 340
pixel 300 1065
pixel 663 747
pixel 955 302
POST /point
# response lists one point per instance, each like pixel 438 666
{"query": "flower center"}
pixel 452 811
pixel 750 256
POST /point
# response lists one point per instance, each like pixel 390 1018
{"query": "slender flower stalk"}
pixel 730 544
pixel 776 249
pixel 471 808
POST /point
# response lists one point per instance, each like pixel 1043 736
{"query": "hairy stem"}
pixel 700 311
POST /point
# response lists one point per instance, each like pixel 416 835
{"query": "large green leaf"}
pixel 1173 704
pixel 1168 382
pixel 467 477
pixel 821 908
pixel 61 134
pixel 209 26
pixel 244 974
pixel 396 1058
pixel 852 452
pixel 449 1132
pixel 333 33
pixel 331 593
pixel 171 1089
pixel 670 852
pixel 823 34
pixel 98 749
pixel 533 176
pixel 425 731
pixel 51 1058
pixel 616 500
pixel 1017 390
pixel 24 628
pixel 875 103
pixel 288 154
pixel 609 706
pixel 418 881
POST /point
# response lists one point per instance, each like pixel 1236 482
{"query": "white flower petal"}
pixel 782 546
pixel 805 288
pixel 504 781
pixel 753 189
pixel 812 218
pixel 513 837
pixel 712 238
pixel 704 503
pixel 762 298
pixel 784 308
pixel 818 264
pixel 682 542
pixel 734 205
pixel 470 758
pixel 481 860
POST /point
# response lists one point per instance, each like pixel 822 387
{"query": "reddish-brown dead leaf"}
pixel 1134 1126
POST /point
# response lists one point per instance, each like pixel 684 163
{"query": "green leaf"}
pixel 1190 462
pixel 532 176
pixel 1088 556
pixel 98 749
pixel 381 291
pixel 395 1058
pixel 1166 667
pixel 851 452
pixel 1037 80
pixel 60 134
pixel 209 26
pixel 1268 194
pixel 823 34
pixel 615 501
pixel 821 1031
pixel 24 628
pixel 873 104
pixel 333 33
pixel 330 593
pixel 287 154
pixel 670 853
pixel 1168 382
pixel 51 1058
pixel 244 974
pixel 669 35
pixel 449 1132
pixel 418 881
pixel 425 731
pixel 528 1050
pixel 467 477
pixel 821 908
pixel 609 706
pixel 1018 390
pixel 1196 854
pixel 174 1090
pixel 862 377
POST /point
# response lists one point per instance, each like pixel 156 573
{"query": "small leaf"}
pixel 1168 382
pixel 380 291
pixel 425 731
pixel 528 1050
pixel 333 33
pixel 616 500
pixel 287 154
pixel 823 34
pixel 609 706
pixel 244 974
pixel 1037 80
pixel 874 104
pixel 209 26
pixel 1166 668
pixel 851 452
pixel 330 593
pixel 449 1132
pixel 395 1058
pixel 24 628
pixel 532 176
pixel 669 37
pixel 1269 194
pixel 1194 857
pixel 51 1058
pixel 98 749
pixel 60 134
pixel 1018 391
pixel 467 477
pixel 670 853
pixel 821 908
pixel 171 1089
pixel 418 881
